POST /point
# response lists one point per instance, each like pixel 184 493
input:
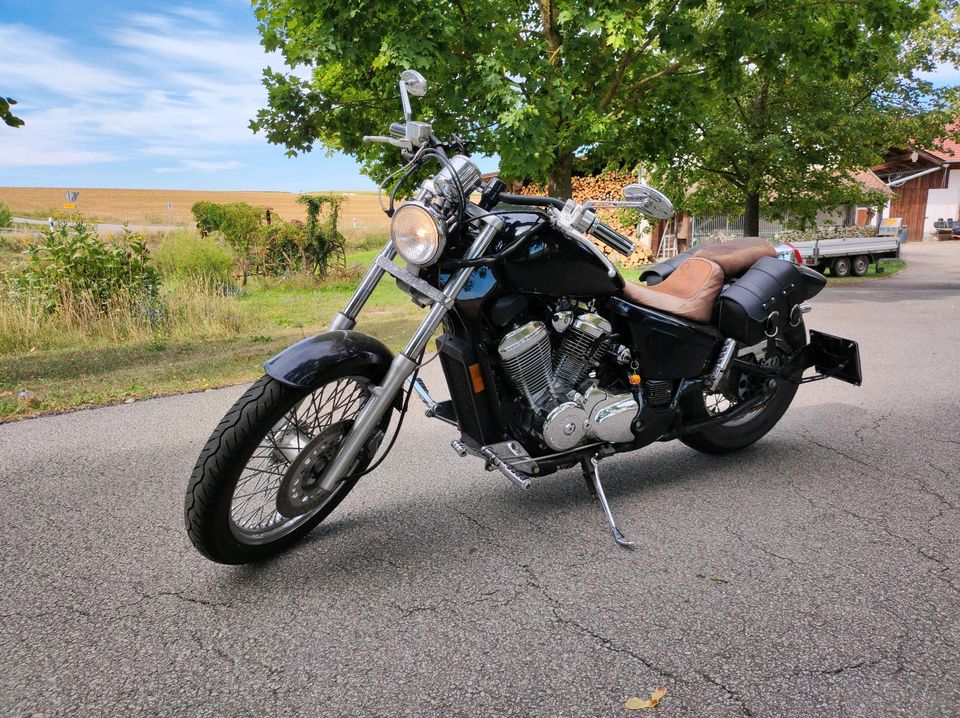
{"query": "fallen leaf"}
pixel 635 704
pixel 719 579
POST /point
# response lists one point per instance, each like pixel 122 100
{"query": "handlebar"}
pixel 601 231
pixel 612 238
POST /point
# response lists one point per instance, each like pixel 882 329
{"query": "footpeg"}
pixel 591 469
pixel 511 473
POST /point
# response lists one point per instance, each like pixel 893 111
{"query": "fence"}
pixel 701 227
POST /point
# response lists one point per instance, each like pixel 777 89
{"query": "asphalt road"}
pixel 815 574
pixel 106 227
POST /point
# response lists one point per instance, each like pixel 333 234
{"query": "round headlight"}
pixel 418 233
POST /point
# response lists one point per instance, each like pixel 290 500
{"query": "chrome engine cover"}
pixel 570 408
pixel 595 415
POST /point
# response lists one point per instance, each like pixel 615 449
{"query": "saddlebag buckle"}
pixel 833 358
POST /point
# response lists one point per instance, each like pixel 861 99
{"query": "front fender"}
pixel 307 363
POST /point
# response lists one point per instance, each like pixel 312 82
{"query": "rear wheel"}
pixel 740 432
pixel 840 267
pixel 255 488
pixel 860 266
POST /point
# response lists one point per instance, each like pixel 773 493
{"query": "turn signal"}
pixel 476 376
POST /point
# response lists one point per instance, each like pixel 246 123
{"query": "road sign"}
pixel 69 205
pixel 71 196
pixel 169 205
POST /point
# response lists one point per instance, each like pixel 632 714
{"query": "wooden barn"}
pixel 927 187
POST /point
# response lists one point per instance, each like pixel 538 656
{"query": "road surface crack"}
pixel 731 693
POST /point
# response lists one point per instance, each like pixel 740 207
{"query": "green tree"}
pixel 323 238
pixel 787 139
pixel 6 114
pixel 537 83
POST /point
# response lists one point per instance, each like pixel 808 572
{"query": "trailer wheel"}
pixel 840 267
pixel 861 264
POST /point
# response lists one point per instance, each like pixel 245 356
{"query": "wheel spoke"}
pixel 253 507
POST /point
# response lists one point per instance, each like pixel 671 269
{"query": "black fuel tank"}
pixel 550 263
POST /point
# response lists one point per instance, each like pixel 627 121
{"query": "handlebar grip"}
pixel 612 238
pixel 398 129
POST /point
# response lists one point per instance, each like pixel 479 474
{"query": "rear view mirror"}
pixel 411 83
pixel 415 83
pixel 652 203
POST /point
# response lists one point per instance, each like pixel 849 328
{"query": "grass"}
pixel 890 267
pixel 214 339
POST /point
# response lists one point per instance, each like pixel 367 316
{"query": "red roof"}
pixel 869 180
pixel 951 148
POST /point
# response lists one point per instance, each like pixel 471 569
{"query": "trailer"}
pixel 844 256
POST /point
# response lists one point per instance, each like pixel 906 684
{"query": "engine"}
pixel 569 407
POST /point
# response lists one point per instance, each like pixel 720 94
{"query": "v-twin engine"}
pixel 569 408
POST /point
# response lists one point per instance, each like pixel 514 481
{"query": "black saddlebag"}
pixel 764 300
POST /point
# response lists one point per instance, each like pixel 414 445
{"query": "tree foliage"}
pixel 540 83
pixel 6 114
pixel 787 137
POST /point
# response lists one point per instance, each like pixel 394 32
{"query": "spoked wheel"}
pixel 746 428
pixel 255 489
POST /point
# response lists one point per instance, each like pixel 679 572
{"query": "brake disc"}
pixel 300 491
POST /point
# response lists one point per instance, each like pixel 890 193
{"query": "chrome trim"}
pixel 412 280
pixel 347 318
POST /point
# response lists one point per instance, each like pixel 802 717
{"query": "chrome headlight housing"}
pixel 418 233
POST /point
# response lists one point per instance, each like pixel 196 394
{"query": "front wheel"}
pixel 255 488
pixel 744 430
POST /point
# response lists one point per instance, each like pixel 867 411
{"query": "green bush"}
pixel 6 219
pixel 208 216
pixel 185 255
pixel 72 269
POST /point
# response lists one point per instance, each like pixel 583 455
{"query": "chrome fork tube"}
pixel 381 397
pixel 347 319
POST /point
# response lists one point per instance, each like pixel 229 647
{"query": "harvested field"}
pixel 149 206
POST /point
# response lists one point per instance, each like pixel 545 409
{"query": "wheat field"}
pixel 149 206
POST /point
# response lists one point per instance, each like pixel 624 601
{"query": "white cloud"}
pixel 201 166
pixel 155 86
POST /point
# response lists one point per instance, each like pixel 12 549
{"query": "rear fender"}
pixel 308 363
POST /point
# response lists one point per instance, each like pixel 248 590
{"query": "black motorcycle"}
pixel 551 359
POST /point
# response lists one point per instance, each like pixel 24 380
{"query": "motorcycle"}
pixel 552 360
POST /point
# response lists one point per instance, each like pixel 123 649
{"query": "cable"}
pixel 403 413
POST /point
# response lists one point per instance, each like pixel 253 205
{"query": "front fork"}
pixel 382 395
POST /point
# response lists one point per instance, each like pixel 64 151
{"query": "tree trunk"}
pixel 751 215
pixel 560 183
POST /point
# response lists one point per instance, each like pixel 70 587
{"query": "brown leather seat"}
pixel 689 292
pixel 738 255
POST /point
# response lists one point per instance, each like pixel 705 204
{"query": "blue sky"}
pixel 145 95
pixel 125 93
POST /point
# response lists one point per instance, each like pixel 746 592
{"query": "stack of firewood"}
pixel 607 186
pixel 827 232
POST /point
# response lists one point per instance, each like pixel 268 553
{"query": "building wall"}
pixel 943 203
pixel 911 203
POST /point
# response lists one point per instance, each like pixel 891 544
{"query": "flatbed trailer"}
pixel 852 255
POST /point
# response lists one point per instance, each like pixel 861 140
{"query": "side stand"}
pixel 591 471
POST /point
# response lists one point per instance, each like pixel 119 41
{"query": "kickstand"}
pixel 591 472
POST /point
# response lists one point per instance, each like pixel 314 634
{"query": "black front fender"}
pixel 307 363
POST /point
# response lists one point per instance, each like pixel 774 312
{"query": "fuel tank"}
pixel 550 264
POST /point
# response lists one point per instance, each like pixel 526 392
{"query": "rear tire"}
pixel 215 522
pixel 861 264
pixel 741 433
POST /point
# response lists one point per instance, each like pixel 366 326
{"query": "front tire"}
pixel 840 267
pixel 247 458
